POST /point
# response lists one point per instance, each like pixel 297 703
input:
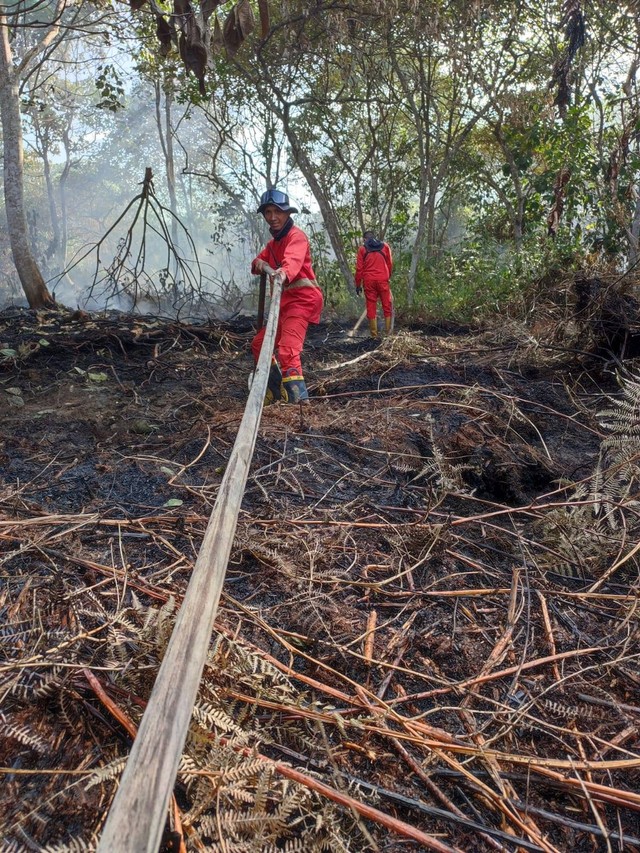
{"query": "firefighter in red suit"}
pixel 374 265
pixel 289 254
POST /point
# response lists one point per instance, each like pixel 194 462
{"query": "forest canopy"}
pixel 487 142
pixel 424 631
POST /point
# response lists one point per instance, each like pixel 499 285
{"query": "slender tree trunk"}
pixel 328 216
pixel 30 276
pixel 62 186
pixel 516 214
pixel 419 238
pixel 633 232
pixel 165 132
pixel 431 223
pixel 54 244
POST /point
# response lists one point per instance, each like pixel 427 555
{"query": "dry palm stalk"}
pixel 531 509
pixel 497 799
pixel 497 655
pixel 41 659
pixel 132 729
pixel 630 731
pixel 505 789
pixel 500 649
pixel 394 667
pixel 329 792
pixel 470 682
pixel 594 806
pixel 393 824
pixel 612 569
pixel 111 572
pixel 431 737
pixel 390 823
pixel 414 734
pixel 549 632
pixel 455 817
pixel 436 791
pixel 370 638
pixel 575 824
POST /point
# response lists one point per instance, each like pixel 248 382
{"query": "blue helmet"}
pixel 278 198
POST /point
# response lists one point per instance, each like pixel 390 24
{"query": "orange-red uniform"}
pixel 301 302
pixel 374 265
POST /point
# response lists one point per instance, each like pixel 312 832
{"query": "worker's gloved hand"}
pixel 259 265
pixel 358 291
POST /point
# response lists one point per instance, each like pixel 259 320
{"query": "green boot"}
pixel 294 389
pixel 274 385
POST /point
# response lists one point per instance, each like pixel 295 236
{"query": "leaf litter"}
pixel 430 606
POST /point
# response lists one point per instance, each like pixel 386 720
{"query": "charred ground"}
pixel 423 606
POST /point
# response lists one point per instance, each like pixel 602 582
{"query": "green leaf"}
pixel 44 342
pixel 10 353
pixel 80 371
pixel 142 427
pixel 98 377
pixel 15 397
pixel 166 470
pixel 173 502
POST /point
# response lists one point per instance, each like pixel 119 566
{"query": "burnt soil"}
pixel 420 607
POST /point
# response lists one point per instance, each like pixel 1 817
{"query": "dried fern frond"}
pixel 35 684
pixel 210 717
pixel 74 845
pixel 106 773
pixel 22 733
pixel 616 480
pixel 602 512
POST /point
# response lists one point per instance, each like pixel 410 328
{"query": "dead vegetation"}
pixel 428 636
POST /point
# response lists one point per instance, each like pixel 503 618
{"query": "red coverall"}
pixel 301 301
pixel 373 271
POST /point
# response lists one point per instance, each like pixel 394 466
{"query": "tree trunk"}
pixel 421 228
pixel 54 244
pixel 165 134
pixel 328 216
pixel 30 276
pixel 633 233
pixel 62 185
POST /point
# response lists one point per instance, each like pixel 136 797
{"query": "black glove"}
pixel 358 291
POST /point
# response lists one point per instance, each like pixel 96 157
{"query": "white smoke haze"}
pixel 187 256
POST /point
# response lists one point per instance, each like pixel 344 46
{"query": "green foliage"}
pixel 461 285
pixel 480 278
pixel 439 131
pixel 110 88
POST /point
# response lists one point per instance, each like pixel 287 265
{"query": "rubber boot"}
pixel 387 324
pixel 294 389
pixel 373 327
pixel 274 384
